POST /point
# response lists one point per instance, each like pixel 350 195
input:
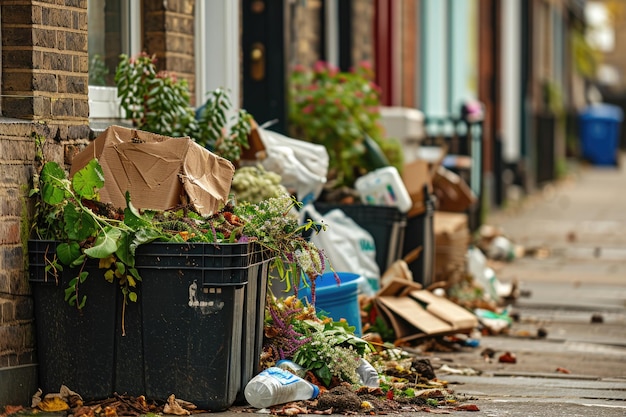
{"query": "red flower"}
pixel 319 66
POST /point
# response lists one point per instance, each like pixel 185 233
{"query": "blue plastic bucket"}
pixel 338 301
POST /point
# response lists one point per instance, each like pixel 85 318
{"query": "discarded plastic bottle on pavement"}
pixel 277 386
pixel 292 367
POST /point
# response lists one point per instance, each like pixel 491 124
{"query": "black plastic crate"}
pixel 254 315
pixel 385 224
pixel 196 330
pixel 193 319
pixel 224 263
pixel 75 348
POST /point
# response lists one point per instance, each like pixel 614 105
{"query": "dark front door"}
pixel 263 46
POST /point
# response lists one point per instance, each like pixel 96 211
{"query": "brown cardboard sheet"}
pixel 159 172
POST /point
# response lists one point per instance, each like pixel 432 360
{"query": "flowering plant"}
pixel 329 349
pixel 340 110
pixel 274 224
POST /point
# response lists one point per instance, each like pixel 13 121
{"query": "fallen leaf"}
pixel 83 411
pixel 467 407
pixel 173 407
pixel 507 357
pixel 53 404
pixel 11 409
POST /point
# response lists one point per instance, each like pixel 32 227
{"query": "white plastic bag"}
pixel 349 247
pixel 302 165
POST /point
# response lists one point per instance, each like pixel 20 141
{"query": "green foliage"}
pixel 213 123
pixel 333 350
pixel 276 226
pixel 64 215
pixel 97 71
pixel 338 109
pixel 159 102
pixel 325 347
pixel 155 101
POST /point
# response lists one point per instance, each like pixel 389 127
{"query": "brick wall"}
pixel 44 88
pixel 169 34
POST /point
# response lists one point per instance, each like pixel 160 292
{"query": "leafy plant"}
pixel 155 101
pixel 66 212
pixel 212 126
pixel 159 102
pixel 98 71
pixel 334 351
pixel 340 110
pixel 274 223
pixel 325 347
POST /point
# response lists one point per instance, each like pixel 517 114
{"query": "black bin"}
pixel 385 224
pixel 193 304
pixel 75 348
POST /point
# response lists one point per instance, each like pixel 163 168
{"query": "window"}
pixel 114 28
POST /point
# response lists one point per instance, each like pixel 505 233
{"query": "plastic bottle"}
pixel 277 386
pixel 384 187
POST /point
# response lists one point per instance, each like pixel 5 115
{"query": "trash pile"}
pixel 362 354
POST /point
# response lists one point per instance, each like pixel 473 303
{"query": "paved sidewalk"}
pixel 579 225
pixel 581 220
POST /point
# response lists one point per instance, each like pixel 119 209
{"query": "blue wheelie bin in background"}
pixel 599 133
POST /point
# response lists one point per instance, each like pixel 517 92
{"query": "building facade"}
pixel 58 60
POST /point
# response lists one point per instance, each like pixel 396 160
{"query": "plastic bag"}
pixel 349 247
pixel 303 166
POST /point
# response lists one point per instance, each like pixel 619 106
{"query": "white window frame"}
pixel 217 47
pixel 103 101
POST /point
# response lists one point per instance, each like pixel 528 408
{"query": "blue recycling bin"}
pixel 599 133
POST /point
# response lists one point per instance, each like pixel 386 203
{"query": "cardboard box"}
pixel 452 239
pixel 160 172
pixel 256 149
pixel 415 313
pixel 416 176
pixel 453 193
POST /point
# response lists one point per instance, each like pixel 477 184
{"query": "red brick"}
pixel 9 232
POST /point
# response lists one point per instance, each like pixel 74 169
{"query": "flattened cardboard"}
pixel 450 312
pixel 160 172
pixel 408 310
pixel 398 287
pixel 414 313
